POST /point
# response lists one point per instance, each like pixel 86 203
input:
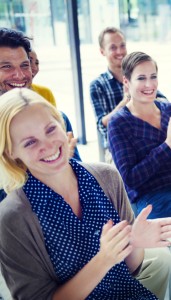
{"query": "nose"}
pixel 18 73
pixel 45 146
pixel 148 82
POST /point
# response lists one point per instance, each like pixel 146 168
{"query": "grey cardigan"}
pixel 25 263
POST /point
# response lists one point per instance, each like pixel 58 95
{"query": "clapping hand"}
pixel 114 243
pixel 148 233
pixel 72 141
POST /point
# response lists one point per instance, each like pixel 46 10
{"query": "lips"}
pixel 52 157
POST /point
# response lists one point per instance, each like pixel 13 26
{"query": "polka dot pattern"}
pixel 71 242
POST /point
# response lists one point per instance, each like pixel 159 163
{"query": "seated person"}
pixel 140 138
pixel 65 222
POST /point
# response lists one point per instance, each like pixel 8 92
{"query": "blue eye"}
pixel 29 143
pixel 51 129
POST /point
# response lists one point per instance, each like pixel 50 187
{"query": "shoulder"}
pixel 100 79
pixel 44 92
pixel 163 105
pixel 103 172
pixel 40 88
pixel 119 116
pixel 13 208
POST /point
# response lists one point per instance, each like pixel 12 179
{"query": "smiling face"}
pixel 114 48
pixel 34 62
pixel 15 70
pixel 39 141
pixel 143 83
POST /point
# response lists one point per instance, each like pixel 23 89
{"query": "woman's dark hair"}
pixel 13 39
pixel 132 60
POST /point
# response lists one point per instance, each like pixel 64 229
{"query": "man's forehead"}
pixel 115 37
pixel 9 54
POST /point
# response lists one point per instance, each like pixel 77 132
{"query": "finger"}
pixel 144 213
pixel 162 244
pixel 118 231
pixel 164 221
pixel 106 227
pixel 119 243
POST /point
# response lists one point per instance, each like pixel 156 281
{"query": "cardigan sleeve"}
pixel 25 264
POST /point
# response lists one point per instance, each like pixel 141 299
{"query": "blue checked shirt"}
pixel 105 93
pixel 140 152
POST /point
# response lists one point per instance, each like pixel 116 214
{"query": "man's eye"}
pixel 113 48
pixel 154 77
pixel 25 66
pixel 6 67
pixel 51 129
pixel 29 143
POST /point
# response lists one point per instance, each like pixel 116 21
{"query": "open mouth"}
pixel 19 85
pixel 151 92
pixel 53 157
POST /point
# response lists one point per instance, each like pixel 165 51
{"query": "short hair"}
pixel 13 39
pixel 108 30
pixel 13 173
pixel 130 61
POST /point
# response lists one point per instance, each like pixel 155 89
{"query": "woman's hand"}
pixel 114 242
pixel 148 233
pixel 72 141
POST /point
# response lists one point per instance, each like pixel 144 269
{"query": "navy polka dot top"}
pixel 71 242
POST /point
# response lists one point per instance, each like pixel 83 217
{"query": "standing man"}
pixel 106 91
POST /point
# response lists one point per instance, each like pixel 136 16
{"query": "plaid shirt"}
pixel 140 152
pixel 105 93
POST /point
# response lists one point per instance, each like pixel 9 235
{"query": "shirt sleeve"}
pixel 97 97
pixel 134 173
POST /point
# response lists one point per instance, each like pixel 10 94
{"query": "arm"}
pixel 123 149
pixel 99 102
pixel 25 261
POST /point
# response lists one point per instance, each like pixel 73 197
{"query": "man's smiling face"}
pixel 15 70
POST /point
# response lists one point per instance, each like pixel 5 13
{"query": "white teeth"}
pixel 17 84
pixel 52 157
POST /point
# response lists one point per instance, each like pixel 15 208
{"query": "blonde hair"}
pixel 13 172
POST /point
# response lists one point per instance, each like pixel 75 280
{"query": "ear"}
pixel 10 155
pixel 126 82
pixel 102 51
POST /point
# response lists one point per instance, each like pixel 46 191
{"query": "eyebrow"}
pixel 33 137
pixel 9 62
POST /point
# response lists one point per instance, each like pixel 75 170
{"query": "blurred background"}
pixel 146 24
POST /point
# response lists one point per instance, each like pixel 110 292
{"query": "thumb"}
pixel 144 213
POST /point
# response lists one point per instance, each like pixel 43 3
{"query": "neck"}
pixel 146 109
pixel 117 73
